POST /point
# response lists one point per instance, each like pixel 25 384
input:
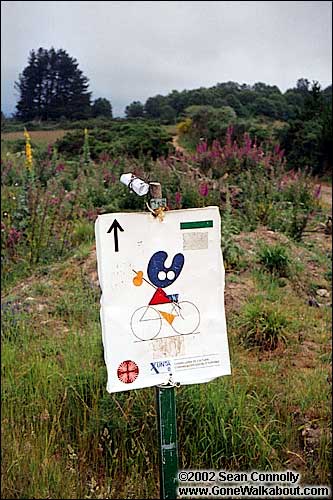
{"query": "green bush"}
pixel 121 138
pixel 275 259
pixel 262 326
pixel 18 145
pixel 293 204
pixel 83 232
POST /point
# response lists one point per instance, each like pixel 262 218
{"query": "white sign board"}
pixel 162 305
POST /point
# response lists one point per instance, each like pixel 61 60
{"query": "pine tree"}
pixel 52 86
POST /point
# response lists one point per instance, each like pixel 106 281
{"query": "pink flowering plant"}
pixel 45 219
pixel 234 157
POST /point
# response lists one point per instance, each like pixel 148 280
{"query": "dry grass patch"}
pixel 42 137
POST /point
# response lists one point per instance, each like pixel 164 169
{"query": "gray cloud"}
pixel 133 50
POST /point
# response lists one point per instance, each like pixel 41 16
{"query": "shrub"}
pixel 133 139
pixel 184 126
pixel 275 259
pixel 294 203
pixel 262 326
pixel 83 232
pixel 41 210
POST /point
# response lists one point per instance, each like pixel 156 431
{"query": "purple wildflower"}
pixel 92 214
pixel 54 200
pixel 178 198
pixel 248 143
pixel 60 167
pixel 317 191
pixel 104 157
pixel 203 189
pixel 202 147
pixel 69 196
pixel 13 237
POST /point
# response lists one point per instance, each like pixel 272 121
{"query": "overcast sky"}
pixel 135 50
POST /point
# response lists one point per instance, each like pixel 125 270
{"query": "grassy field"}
pixel 40 137
pixel 64 436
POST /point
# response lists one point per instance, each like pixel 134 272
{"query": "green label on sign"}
pixel 196 224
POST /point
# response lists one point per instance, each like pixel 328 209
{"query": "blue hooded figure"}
pixel 156 265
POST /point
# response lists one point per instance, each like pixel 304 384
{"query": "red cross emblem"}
pixel 127 371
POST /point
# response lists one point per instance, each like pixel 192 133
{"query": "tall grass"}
pixel 64 436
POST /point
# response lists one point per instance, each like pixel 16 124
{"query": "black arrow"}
pixel 115 225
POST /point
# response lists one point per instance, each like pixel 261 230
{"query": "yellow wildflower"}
pixel 28 150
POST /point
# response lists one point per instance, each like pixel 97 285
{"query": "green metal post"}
pixel 167 431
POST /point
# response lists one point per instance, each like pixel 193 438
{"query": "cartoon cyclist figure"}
pixel 184 317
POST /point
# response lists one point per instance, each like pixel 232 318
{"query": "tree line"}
pixel 299 119
pixel 52 87
pixel 246 100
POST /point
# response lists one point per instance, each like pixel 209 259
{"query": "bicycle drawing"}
pixel 182 316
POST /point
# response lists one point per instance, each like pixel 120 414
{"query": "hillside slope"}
pixel 65 437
